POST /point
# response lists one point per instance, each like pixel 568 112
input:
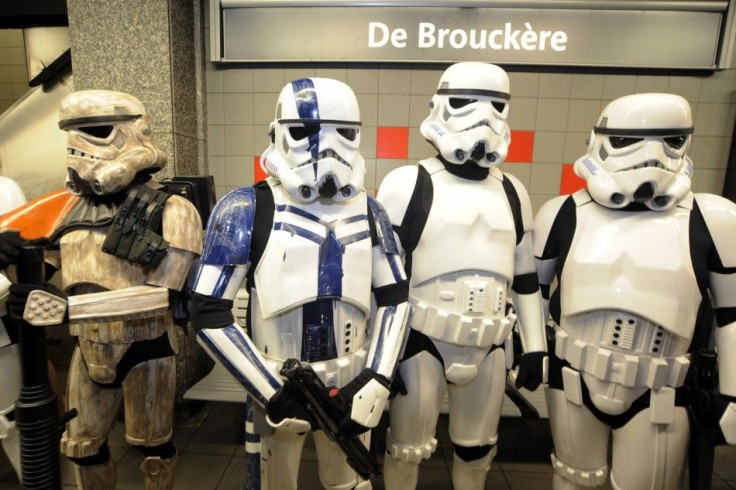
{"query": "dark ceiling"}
pixel 18 14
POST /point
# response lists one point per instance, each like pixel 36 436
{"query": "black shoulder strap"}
pixel 515 204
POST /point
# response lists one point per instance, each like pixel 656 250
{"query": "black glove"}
pixel 349 426
pixel 19 296
pixel 10 245
pixel 288 403
pixel 531 370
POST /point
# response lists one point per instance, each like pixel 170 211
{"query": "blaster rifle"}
pixel 703 389
pixel 328 407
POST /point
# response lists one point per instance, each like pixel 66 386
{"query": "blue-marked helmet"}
pixel 467 120
pixel 315 141
pixel 638 152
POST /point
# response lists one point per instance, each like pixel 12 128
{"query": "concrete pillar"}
pixel 151 49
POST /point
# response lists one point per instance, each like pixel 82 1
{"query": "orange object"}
pixel 521 149
pixel 258 174
pixel 40 217
pixel 570 182
pixel 392 142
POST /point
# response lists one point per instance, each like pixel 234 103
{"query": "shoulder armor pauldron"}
pixel 385 233
pixel 230 228
pixel 134 233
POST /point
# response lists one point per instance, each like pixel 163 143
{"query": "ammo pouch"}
pixel 134 233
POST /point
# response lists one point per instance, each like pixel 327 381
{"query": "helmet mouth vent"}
pixel 328 188
pixel 644 193
pixel 479 152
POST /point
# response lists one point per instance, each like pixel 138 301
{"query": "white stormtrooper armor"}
pixel 464 228
pixel 634 255
pixel 11 196
pixel 311 247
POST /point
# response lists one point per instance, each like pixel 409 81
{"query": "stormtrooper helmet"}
pixel 638 152
pixel 109 141
pixel 467 120
pixel 315 141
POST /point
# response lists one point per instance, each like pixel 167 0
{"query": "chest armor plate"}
pixel 84 262
pixel 315 252
pixel 636 262
pixel 470 227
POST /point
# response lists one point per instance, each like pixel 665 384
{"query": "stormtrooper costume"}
pixel 634 254
pixel 464 229
pixel 11 196
pixel 122 245
pixel 311 247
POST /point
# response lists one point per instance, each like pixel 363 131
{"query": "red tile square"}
pixel 570 182
pixel 392 142
pixel 521 149
pixel 258 172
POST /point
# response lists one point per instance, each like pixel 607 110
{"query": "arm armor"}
pixel 223 267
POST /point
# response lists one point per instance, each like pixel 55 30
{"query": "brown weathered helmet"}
pixel 109 141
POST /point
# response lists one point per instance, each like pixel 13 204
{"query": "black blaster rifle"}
pixel 328 407
pixel 703 389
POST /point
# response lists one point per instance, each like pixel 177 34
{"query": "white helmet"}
pixel 467 120
pixel 638 152
pixel 315 140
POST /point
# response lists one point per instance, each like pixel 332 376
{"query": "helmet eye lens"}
pixel 622 141
pixel 348 133
pixel 675 142
pixel 499 106
pixel 301 132
pixel 101 132
pixel 458 102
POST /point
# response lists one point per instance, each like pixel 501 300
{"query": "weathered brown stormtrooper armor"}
pixel 121 245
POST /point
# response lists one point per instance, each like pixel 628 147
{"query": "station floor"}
pixel 211 445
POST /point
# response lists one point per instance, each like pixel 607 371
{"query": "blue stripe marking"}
pixel 393 262
pixel 383 227
pixel 329 282
pixel 223 281
pixel 308 108
pixel 352 219
pixel 236 337
pixel 215 350
pixel 356 237
pixel 299 232
pixel 252 460
pixel 285 208
pixel 388 316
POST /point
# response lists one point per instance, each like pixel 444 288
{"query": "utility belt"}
pixel 125 331
pixel 457 329
pixel 333 372
pixel 624 369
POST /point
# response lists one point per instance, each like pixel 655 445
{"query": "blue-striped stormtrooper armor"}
pixel 464 228
pixel 313 249
pixel 11 196
pixel 634 254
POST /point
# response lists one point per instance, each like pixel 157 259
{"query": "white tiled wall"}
pixel 560 108
pixel 13 70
